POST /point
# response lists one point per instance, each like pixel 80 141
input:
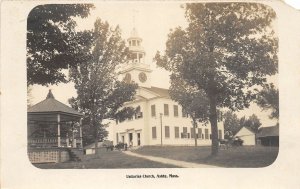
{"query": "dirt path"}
pixel 183 164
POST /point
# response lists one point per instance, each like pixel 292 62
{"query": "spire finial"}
pixel 50 95
pixel 133 17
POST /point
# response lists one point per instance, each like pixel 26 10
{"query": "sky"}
pixel 153 21
pixel 293 3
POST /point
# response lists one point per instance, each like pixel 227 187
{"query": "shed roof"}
pixel 268 131
pixel 243 132
pixel 50 104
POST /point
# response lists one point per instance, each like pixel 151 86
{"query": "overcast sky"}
pixel 153 21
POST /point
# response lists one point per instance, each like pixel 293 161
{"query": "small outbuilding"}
pixel 247 135
pixel 268 136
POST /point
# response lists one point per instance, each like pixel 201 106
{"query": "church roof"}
pixel 268 131
pixel 50 104
pixel 160 91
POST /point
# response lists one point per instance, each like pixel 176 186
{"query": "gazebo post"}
pixel 58 130
pixel 73 137
pixel 80 132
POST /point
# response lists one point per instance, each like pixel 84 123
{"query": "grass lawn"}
pixel 245 156
pixel 110 159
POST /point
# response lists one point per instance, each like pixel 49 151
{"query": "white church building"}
pixel 161 120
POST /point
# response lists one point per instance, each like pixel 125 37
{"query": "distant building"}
pixel 247 135
pixel 268 136
pixel 160 120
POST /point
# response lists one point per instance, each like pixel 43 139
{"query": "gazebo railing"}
pixel 51 142
pixel 43 142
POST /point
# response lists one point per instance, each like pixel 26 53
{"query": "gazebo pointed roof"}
pixel 51 105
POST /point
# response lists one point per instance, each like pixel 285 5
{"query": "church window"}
pixel 176 132
pixel 138 43
pixel 127 78
pixel 200 133
pixel 185 129
pixel 153 113
pixel 133 43
pixel 138 115
pixel 140 57
pixel 153 132
pixel 192 132
pixel 175 111
pixel 166 109
pixel 167 131
pixel 206 133
pixel 184 134
pixel 134 56
pixel 184 114
pixel 220 134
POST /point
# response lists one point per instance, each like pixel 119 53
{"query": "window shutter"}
pixel 166 109
pixel 153 132
pixel 175 111
pixel 153 113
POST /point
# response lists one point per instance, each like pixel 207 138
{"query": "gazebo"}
pixel 53 128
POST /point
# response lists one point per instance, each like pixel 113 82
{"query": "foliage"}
pixel 268 98
pixel 88 131
pixel 226 50
pixel 29 96
pixel 252 123
pixel 231 124
pixel 100 94
pixel 52 42
pixel 193 101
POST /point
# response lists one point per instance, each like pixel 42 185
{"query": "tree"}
pixel 29 97
pixel 252 123
pixel 226 50
pixel 193 101
pixel 100 94
pixel 268 99
pixel 231 124
pixel 52 42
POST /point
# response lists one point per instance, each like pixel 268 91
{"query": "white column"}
pixel 67 140
pixel 58 131
pixel 73 137
pixel 80 132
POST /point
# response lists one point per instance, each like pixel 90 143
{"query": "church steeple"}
pixel 136 70
pixel 137 53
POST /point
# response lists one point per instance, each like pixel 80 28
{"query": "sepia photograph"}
pixel 194 86
pixel 149 94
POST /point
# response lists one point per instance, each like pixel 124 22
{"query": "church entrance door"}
pixel 138 139
pixel 130 139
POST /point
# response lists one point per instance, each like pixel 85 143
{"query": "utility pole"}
pixel 161 143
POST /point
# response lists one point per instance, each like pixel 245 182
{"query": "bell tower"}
pixel 136 70
pixel 137 53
